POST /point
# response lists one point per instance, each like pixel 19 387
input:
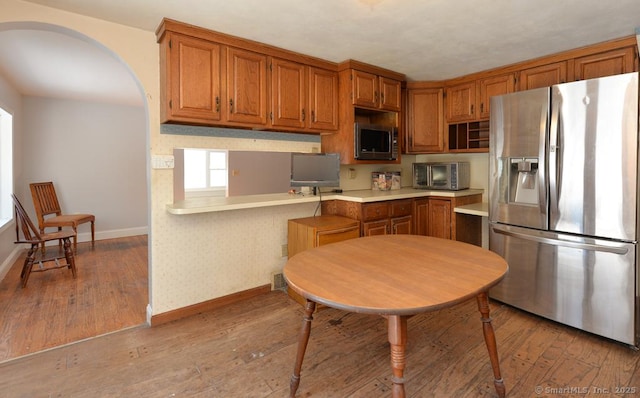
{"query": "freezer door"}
pixel 581 282
pixel 593 157
pixel 517 157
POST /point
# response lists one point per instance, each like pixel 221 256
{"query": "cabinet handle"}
pixel 482 107
pixel 230 105
pixel 217 104
pixel 304 116
pixel 472 109
pixel 375 95
pixel 313 116
pixel 382 96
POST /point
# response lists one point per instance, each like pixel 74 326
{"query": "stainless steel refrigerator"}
pixel 563 187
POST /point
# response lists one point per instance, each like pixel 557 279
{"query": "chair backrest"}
pixel 45 200
pixel 24 224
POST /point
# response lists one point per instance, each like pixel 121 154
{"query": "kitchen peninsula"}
pixel 213 204
pixel 407 210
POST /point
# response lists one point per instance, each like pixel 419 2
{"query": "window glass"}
pixel 205 170
pixel 6 167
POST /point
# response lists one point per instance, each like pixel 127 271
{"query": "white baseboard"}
pixel 9 261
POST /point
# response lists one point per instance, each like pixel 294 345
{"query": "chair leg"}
pixel 28 265
pixel 68 254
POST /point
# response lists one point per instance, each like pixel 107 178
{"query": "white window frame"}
pixel 6 167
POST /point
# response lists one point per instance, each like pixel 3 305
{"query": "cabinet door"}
pixel 288 94
pixel 401 225
pixel 390 94
pixel 543 76
pixel 461 100
pixel 492 86
pixel 425 114
pixel 421 216
pixel 364 89
pixel 608 63
pixel 372 228
pixel 323 99
pixel 440 218
pixel 246 86
pixel 193 78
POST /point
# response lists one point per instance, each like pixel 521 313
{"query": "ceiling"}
pixel 424 39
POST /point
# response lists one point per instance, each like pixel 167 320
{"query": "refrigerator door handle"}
pixel 554 151
pixel 621 250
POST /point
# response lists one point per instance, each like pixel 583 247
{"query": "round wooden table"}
pixel 395 276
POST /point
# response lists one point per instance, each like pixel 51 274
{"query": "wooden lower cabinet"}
pixel 435 216
pixel 377 218
pixel 428 216
pixel 309 232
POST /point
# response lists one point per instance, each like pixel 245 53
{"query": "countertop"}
pixel 474 209
pixel 211 204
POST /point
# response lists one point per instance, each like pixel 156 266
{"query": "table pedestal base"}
pixel 397 330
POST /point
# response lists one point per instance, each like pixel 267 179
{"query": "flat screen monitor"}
pixel 315 169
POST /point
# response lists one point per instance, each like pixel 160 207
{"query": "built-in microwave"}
pixel 375 142
pixel 452 176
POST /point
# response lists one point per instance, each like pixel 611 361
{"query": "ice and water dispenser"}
pixel 523 180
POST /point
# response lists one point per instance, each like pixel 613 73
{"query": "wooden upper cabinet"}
pixel 192 78
pixel 607 63
pixel 425 124
pixel 288 93
pixel 373 91
pixel 246 87
pixel 323 99
pixel 461 101
pixel 492 86
pixel 301 102
pixel 543 76
pixel 365 89
pixel 390 94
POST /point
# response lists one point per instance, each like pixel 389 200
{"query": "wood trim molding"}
pixel 209 305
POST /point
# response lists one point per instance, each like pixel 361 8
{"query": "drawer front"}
pixel 375 211
pixel 326 237
pixel 401 208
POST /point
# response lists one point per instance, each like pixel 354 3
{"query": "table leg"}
pixel 303 339
pixel 490 340
pixel 398 340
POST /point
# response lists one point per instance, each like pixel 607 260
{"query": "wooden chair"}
pixel 26 232
pixel 50 215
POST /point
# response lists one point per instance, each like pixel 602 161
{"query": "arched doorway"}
pixel 82 122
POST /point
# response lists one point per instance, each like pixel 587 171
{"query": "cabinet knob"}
pixel 303 115
pixel 217 104
pixel 231 105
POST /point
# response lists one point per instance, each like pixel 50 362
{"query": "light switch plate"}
pixel 162 161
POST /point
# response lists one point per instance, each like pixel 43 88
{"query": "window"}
pixel 205 172
pixel 6 167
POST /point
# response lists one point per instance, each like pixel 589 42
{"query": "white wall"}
pixel 10 101
pixel 94 154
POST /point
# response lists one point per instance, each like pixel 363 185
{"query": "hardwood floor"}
pixel 247 349
pixel 109 294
